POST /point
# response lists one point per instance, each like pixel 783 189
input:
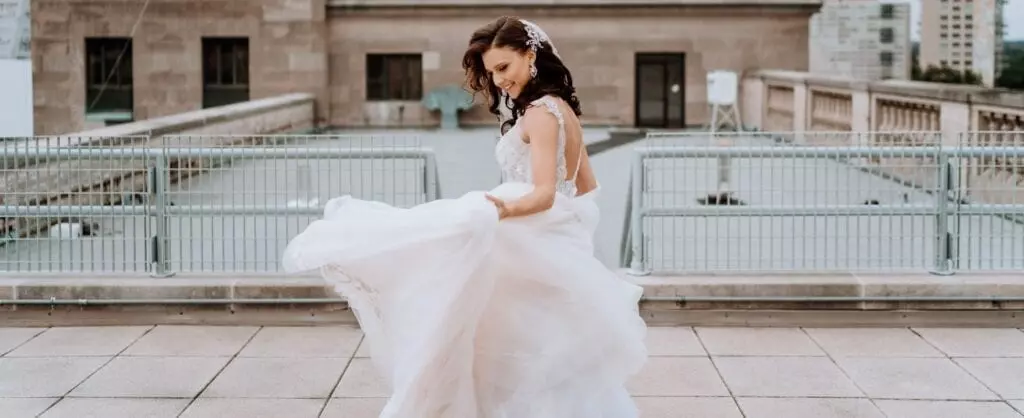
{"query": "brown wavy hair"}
pixel 553 77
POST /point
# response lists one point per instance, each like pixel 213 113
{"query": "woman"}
pixel 492 305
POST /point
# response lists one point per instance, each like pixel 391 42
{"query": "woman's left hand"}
pixel 503 211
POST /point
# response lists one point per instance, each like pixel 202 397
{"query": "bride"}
pixel 492 305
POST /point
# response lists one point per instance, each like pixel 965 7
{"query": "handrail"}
pixel 948 206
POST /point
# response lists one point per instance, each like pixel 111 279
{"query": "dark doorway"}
pixel 660 90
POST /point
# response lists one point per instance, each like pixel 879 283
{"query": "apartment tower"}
pixel 963 35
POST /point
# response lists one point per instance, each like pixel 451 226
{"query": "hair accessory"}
pixel 536 37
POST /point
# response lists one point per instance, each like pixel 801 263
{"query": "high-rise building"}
pixel 14 29
pixel 963 35
pixel 864 39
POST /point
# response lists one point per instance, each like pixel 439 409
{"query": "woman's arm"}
pixel 541 129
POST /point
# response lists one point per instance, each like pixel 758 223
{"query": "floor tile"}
pixel 1005 376
pixel 24 407
pixel 914 378
pixel 10 338
pixel 677 376
pixel 872 342
pixel 673 341
pixel 758 342
pixel 946 409
pixel 254 408
pixel 676 407
pixel 364 349
pixel 1019 405
pixel 44 376
pixel 976 342
pixel 308 342
pixel 116 408
pixel 152 377
pixel 277 378
pixel 192 341
pixel 361 380
pixel 354 408
pixel 785 377
pixel 79 341
pixel 809 408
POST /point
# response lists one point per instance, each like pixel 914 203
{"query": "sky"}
pixel 1014 27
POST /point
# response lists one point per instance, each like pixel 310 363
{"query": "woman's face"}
pixel 509 69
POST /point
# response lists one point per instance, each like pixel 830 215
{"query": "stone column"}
pixel 291 56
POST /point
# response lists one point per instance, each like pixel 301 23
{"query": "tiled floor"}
pixel 254 372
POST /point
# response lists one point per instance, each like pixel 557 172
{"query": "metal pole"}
pixel 431 188
pixel 636 265
pixel 942 215
pixel 158 192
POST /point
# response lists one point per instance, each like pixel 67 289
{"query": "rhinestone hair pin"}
pixel 536 37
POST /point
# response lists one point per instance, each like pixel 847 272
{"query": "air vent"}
pixel 721 199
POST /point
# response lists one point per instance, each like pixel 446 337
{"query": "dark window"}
pixel 886 36
pixel 225 71
pixel 394 77
pixel 108 75
pixel 888 11
pixel 885 57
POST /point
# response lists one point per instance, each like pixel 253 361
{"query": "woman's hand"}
pixel 503 209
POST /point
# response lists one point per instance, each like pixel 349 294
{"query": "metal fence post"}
pixel 942 189
pixel 431 187
pixel 636 265
pixel 159 181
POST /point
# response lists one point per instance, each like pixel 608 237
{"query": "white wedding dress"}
pixel 469 317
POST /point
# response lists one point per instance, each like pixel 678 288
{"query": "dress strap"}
pixel 579 161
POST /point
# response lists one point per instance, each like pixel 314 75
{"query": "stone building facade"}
pixel 369 63
pixel 863 39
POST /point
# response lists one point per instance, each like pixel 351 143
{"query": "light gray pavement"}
pixel 299 372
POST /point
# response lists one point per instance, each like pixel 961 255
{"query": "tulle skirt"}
pixel 469 317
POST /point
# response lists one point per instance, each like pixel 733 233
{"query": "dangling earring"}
pixel 533 70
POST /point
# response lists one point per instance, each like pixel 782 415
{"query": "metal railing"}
pixel 188 206
pixel 752 202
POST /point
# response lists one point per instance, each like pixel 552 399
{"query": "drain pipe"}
pixel 704 299
pixel 103 302
pixel 671 299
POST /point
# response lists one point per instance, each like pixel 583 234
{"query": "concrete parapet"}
pixel 682 294
pixel 71 181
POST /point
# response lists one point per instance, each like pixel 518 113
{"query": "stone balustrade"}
pixel 69 181
pixel 822 110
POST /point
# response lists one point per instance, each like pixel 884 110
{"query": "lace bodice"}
pixel 513 154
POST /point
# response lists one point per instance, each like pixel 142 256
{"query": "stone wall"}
pixel 309 46
pixel 598 44
pixel 286 38
pixel 812 109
